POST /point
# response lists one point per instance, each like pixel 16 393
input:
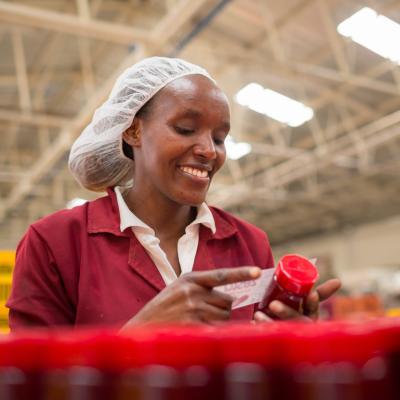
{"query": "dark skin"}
pixel 311 304
pixel 186 127
pixel 178 146
pixel 191 298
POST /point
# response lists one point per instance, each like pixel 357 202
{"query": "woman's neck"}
pixel 167 218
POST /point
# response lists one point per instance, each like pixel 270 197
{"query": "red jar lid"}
pixel 296 274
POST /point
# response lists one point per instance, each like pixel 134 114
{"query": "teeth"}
pixel 196 172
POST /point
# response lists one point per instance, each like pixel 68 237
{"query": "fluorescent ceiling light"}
pixel 373 31
pixel 75 202
pixel 235 150
pixel 274 105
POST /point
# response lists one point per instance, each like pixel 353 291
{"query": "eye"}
pixel 219 141
pixel 183 131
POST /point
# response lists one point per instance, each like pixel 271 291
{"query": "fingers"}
pixel 191 298
pixel 209 313
pixel 191 293
pixel 321 293
pixel 223 276
pixel 203 304
pixel 311 305
pixel 219 299
pixel 328 288
pixel 284 312
pixel 260 317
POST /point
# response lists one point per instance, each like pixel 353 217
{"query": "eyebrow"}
pixel 193 113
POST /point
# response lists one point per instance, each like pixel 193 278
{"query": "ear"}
pixel 132 135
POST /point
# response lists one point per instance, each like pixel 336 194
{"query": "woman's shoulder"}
pixel 62 219
pixel 250 236
pixel 242 226
pixel 75 218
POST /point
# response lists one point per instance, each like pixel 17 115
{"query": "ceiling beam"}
pixel 84 49
pixel 33 119
pixel 174 21
pixel 60 22
pixel 64 140
pixel 303 165
pixel 348 78
pixel 67 135
pixel 21 71
pixel 333 38
pixel 273 150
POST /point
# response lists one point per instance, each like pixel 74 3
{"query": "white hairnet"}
pixel 96 159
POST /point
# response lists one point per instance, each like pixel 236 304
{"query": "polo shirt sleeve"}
pixel 268 257
pixel 38 296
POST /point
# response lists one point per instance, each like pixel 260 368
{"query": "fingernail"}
pixel 255 272
pixel 276 306
pixel 260 315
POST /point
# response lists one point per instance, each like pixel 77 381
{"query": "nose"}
pixel 205 147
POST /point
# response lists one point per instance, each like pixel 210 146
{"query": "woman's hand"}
pixel 310 307
pixel 191 298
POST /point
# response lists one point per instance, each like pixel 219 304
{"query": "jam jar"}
pixel 291 283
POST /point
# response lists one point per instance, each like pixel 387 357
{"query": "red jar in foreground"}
pixel 292 281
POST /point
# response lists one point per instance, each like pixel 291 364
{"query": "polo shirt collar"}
pixel 104 216
pixel 128 219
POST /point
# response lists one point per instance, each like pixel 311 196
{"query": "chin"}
pixel 191 200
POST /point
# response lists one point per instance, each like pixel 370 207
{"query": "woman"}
pixel 152 250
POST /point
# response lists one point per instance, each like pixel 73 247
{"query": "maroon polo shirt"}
pixel 76 267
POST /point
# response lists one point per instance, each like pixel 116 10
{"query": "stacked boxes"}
pixel 7 261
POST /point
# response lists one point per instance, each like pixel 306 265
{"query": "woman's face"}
pixel 181 143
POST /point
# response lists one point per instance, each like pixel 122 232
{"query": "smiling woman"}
pixel 179 145
pixel 151 250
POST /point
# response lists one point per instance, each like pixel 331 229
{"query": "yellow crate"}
pixel 7 261
pixel 4 326
pixel 5 287
pixel 393 312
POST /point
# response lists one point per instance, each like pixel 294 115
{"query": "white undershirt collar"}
pixel 129 219
pixel 187 244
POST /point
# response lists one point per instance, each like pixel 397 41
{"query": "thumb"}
pixel 328 288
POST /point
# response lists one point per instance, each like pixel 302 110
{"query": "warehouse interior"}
pixel 326 188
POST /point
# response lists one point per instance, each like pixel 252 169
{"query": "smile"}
pixel 195 172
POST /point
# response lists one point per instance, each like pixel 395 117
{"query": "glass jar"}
pixel 291 283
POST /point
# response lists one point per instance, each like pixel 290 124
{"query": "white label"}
pixel 248 292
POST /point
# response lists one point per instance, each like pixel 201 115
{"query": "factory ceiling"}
pixel 59 59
